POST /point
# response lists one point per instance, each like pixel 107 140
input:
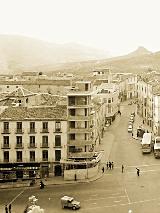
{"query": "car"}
pixel 130 128
pixel 133 113
pixel 130 122
pixel 69 202
pixel 132 118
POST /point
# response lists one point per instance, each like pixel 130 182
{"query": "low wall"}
pixel 14 185
pixel 80 174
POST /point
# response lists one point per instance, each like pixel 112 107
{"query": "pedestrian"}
pixel 6 209
pixel 9 208
pixel 107 165
pixel 122 168
pixel 103 169
pixel 112 165
pixel 138 171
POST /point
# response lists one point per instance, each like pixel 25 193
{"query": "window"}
pixel 32 141
pixel 45 126
pixel 109 100
pixel 72 124
pixel 19 127
pixel 44 141
pixel 72 136
pixel 86 87
pixel 19 156
pixel 44 155
pixel 57 140
pixel 6 156
pixel 109 109
pixel 19 141
pixel 32 126
pixel 6 141
pixel 57 126
pixel 7 86
pixel 72 112
pixel 57 155
pixel 72 101
pixel 112 99
pixel 32 155
pixel 6 126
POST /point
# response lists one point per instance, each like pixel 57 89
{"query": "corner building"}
pixel 32 142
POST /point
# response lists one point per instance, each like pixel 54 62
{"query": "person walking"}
pixel 103 169
pixel 122 168
pixel 10 208
pixel 107 165
pixel 112 165
pixel 6 209
pixel 138 171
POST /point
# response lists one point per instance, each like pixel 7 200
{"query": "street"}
pixel 115 192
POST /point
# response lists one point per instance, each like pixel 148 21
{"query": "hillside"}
pixel 19 53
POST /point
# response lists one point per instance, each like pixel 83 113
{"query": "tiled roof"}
pixel 51 100
pixel 36 113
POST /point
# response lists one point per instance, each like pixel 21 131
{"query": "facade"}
pixel 109 94
pixel 33 141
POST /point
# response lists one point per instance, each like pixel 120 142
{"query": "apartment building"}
pixel 32 141
pixel 109 94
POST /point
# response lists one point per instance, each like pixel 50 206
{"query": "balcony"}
pixel 79 142
pixel 44 145
pixel 45 159
pixel 78 118
pixel 5 131
pixel 32 159
pixel 58 130
pixel 32 131
pixel 32 145
pixel 19 131
pixel 5 146
pixel 44 131
pixel 80 130
pixel 58 147
pixel 6 160
pixel 19 146
pixel 19 160
pixel 80 154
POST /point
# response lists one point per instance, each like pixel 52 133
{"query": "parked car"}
pixel 69 202
pixel 133 113
pixel 130 128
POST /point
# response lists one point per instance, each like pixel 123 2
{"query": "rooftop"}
pixel 36 113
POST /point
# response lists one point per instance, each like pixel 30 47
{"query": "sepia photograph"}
pixel 79 106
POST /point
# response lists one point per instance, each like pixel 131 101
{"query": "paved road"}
pixel 115 192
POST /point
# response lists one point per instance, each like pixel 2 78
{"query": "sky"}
pixel 117 26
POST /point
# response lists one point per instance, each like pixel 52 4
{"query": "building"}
pixel 33 141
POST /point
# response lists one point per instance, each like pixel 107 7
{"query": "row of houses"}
pixel 51 135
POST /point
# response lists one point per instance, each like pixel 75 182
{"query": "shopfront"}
pixel 15 171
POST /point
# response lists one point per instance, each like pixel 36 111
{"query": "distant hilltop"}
pixel 21 53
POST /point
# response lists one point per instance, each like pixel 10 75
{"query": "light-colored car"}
pixel 69 202
pixel 130 128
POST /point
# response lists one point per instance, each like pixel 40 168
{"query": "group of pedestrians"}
pixel 8 208
pixel 110 165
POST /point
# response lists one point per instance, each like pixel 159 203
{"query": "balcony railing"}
pixel 44 145
pixel 44 131
pixel 6 160
pixel 32 145
pixel 5 146
pixel 19 160
pixel 58 130
pixel 45 159
pixel 19 146
pixel 5 131
pixel 19 131
pixel 32 131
